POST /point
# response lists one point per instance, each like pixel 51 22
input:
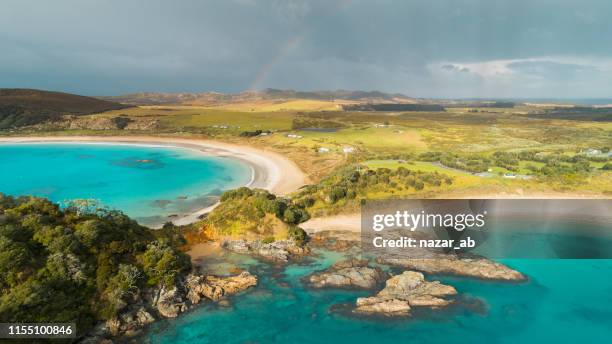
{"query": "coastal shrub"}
pixel 241 192
pixel 255 211
pixel 471 163
pixel 253 133
pixel 294 215
pixel 298 235
pixel 337 193
pixel 162 263
pixel 349 184
pixel 121 122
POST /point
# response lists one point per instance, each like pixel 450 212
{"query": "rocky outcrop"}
pixel 403 292
pixel 170 302
pixel 278 251
pixel 215 288
pixel 348 274
pixel 129 323
pixel 481 268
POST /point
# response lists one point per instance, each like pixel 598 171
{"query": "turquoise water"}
pixel 564 301
pixel 148 183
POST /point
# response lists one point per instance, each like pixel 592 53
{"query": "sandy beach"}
pixel 270 171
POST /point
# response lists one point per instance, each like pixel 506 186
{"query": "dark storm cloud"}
pixel 439 48
pixel 554 70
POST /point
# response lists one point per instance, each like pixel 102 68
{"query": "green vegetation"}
pixel 348 185
pixel 78 264
pixel 23 107
pixel 576 113
pixel 318 120
pixel 394 107
pixel 253 133
pixel 470 163
pixel 255 214
pixel 529 162
pixel 121 121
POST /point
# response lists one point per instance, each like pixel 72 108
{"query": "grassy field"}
pixel 289 105
pixel 456 129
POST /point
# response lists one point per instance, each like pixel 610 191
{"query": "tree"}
pixel 162 263
pixel 65 265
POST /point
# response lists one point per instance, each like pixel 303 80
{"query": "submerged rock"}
pixel 404 291
pixel 476 267
pixel 348 274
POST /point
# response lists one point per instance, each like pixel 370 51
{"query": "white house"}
pixel 348 149
pixel 592 152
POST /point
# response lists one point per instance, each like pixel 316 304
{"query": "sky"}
pixel 431 49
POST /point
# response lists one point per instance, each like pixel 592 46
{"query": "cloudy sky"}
pixel 441 48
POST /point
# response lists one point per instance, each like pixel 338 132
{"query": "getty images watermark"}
pixel 493 228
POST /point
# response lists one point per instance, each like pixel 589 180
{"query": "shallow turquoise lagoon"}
pixel 149 183
pixel 564 301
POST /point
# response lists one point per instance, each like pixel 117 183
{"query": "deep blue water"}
pixel 564 301
pixel 148 183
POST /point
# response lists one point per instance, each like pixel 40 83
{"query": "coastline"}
pixel 270 171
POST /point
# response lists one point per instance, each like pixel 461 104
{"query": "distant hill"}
pixel 386 107
pixel 214 98
pixel 22 107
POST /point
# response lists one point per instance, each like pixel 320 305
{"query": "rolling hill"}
pixel 23 107
pixel 215 98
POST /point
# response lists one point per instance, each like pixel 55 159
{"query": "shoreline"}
pixel 269 170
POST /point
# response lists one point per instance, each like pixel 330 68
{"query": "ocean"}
pixel 149 183
pixel 563 301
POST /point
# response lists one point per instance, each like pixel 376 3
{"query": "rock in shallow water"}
pixel 348 274
pixel 404 291
pixel 170 303
pixel 214 288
